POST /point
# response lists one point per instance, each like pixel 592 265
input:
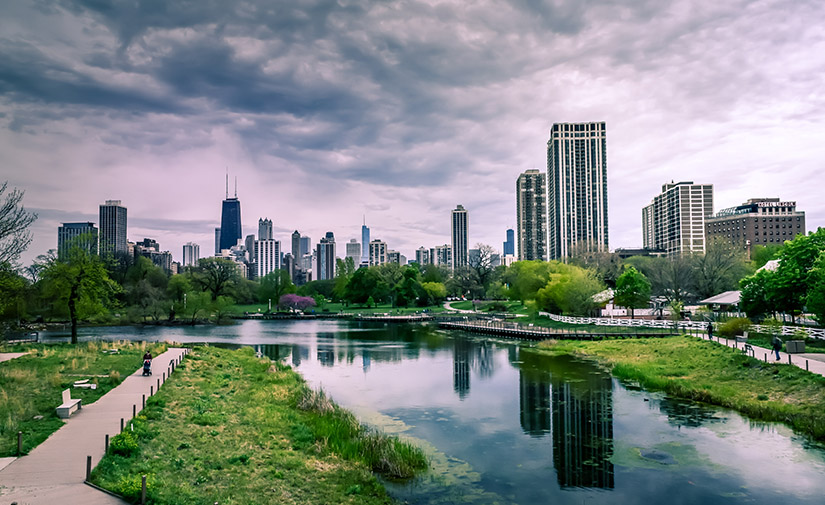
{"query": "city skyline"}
pixel 400 116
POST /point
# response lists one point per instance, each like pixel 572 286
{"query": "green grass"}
pixel 234 429
pixel 334 308
pixel 31 386
pixel 764 340
pixel 705 371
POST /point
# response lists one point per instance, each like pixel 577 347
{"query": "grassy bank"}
pixel 334 308
pixel 230 428
pixel 704 371
pixel 31 386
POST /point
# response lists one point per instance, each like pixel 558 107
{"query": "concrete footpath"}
pixel 55 470
pixel 813 362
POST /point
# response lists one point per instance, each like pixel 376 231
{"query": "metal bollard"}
pixel 19 443
pixel 121 425
pixel 151 390
pixel 789 359
pixel 143 403
pixel 806 365
pixel 106 445
pixel 88 468
pixel 158 384
pixel 766 357
pixel 134 411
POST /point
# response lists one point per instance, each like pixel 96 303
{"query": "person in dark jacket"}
pixel 710 330
pixel 777 345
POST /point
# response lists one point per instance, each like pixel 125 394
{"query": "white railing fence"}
pixel 787 331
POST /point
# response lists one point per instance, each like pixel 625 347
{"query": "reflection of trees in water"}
pixel 366 360
pixel 680 413
pixel 461 367
pixel 573 400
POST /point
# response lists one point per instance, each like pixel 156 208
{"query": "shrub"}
pixel 124 444
pixel 735 326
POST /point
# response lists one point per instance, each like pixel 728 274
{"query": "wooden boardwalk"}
pixel 520 331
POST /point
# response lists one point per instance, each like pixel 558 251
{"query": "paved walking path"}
pixel 6 356
pixel 54 471
pixel 813 362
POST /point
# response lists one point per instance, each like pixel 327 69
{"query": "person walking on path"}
pixel 710 330
pixel 776 343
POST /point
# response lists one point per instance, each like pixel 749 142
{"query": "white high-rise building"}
pixel 459 227
pixel 191 254
pixel 354 251
pixel 576 189
pixel 442 255
pixel 531 216
pixel 422 256
pixel 378 252
pixel 112 228
pixel 267 256
pixel 674 222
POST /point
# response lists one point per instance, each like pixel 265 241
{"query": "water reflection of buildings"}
pixel 274 352
pixel 299 353
pixel 583 433
pixel 326 354
pixel 461 367
pixel 574 402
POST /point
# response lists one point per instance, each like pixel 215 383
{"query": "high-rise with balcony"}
pixel 674 222
pixel 326 257
pixel 113 228
pixel 531 216
pixel 191 254
pixel 576 189
pixel 378 252
pixel 459 227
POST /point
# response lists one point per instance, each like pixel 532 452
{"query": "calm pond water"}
pixel 504 424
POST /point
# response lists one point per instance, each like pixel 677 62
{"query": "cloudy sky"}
pixel 327 111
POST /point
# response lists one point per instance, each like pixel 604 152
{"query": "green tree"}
pixel 525 278
pixel 81 283
pixel 570 291
pixel 178 285
pixel 815 299
pixel 435 273
pixel 436 292
pixel 15 220
pixel 193 304
pixel 793 275
pixel 672 278
pixel 365 283
pixel 345 268
pixel 632 290
pixel 761 254
pixel 215 276
pixel 481 265
pixel 12 292
pixel 756 296
pixel 274 285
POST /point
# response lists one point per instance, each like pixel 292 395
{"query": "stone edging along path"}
pixel 55 471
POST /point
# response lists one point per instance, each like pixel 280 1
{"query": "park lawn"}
pixel 231 428
pixel 709 372
pixel 31 385
pixel 380 309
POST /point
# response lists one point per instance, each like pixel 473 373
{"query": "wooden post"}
pixel 143 490
pixel 134 411
pixel 806 365
pixel 158 384
pixel 143 403
pixel 19 443
pixel 789 359
pixel 106 445
pixel 88 468
pixel 151 390
pixel 121 425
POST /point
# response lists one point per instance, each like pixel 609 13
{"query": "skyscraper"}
pixel 378 252
pixel 510 244
pixel 675 220
pixel 217 241
pixel 264 229
pixel 83 235
pixel 531 216
pixel 422 256
pixel 326 257
pixel 230 219
pixel 459 228
pixel 365 242
pixel 191 254
pixel 112 228
pixel 296 244
pixel 267 256
pixel 354 251
pixel 576 189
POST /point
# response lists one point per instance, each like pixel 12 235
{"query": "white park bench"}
pixel 69 405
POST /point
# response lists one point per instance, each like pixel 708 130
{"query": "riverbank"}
pixel 31 385
pixel 229 427
pixel 704 371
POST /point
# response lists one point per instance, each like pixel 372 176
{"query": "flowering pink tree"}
pixel 296 302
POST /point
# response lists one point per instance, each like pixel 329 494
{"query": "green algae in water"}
pixel 669 456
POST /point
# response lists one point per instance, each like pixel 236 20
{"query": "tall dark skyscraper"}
pixel 576 189
pixel 112 228
pixel 531 216
pixel 459 228
pixel 230 219
pixel 510 244
pixel 365 242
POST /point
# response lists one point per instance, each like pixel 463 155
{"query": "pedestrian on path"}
pixel 777 345
pixel 710 330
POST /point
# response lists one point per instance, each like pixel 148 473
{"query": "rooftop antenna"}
pixel 227 183
pixel 365 220
pixel 236 187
